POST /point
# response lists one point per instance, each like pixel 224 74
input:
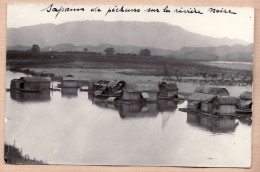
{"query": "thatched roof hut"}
pixel 201 102
pixel 168 90
pixel 245 101
pixel 147 91
pixel 201 97
pixel 36 79
pixel 148 87
pixel 131 87
pixel 246 95
pixel 212 90
pixel 114 88
pixel 100 85
pixel 115 83
pixel 31 84
pixel 69 82
pixel 141 87
pixel 168 86
pixel 225 105
pixel 227 100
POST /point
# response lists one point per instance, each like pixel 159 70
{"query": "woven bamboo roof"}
pixel 227 100
pixel 246 95
pixel 169 86
pixel 209 90
pixel 201 97
pixel 141 87
pixel 35 79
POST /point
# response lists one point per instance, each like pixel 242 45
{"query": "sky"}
pixel 218 25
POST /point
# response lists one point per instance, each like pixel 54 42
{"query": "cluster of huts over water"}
pixel 209 100
pixel 135 92
pixel 125 91
pixel 215 100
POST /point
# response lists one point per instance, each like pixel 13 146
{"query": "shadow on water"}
pixel 137 109
pixel 13 155
pixel 212 124
pixel 167 106
pixel 69 92
pixel 30 96
pixel 102 103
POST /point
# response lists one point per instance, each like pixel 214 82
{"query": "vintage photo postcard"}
pixel 129 85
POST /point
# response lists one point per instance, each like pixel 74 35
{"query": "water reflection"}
pixel 137 110
pixel 102 103
pixel 167 106
pixel 69 92
pixel 213 124
pixel 30 96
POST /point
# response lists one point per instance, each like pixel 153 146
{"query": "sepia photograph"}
pixel 129 85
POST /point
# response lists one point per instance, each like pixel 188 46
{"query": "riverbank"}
pixel 13 155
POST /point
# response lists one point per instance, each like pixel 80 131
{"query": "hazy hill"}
pixel 227 53
pixel 140 34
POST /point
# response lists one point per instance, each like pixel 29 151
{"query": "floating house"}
pixel 245 101
pixel 225 105
pixel 201 102
pixel 149 91
pixel 69 82
pixel 30 84
pixel 114 88
pixel 100 86
pixel 108 88
pixel 212 104
pixel 131 92
pixel 168 90
pixel 212 90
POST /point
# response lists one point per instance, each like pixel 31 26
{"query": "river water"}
pixel 71 127
pixel 231 65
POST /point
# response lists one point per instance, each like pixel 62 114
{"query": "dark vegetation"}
pixel 181 70
pixel 14 156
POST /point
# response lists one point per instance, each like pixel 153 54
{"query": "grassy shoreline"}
pixel 13 155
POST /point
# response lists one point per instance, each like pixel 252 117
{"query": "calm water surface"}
pixel 70 127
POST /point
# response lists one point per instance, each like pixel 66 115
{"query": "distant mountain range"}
pixel 128 37
pixel 225 53
pixel 123 33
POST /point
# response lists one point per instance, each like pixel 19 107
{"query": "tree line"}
pixel 108 51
